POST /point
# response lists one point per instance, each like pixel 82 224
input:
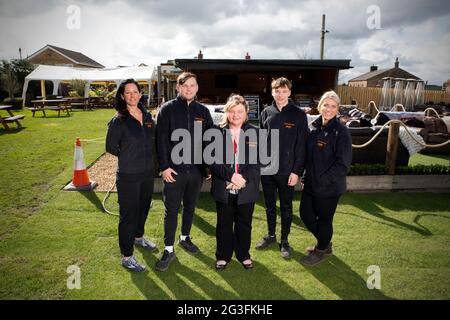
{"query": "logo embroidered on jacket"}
pixel 288 125
pixel 321 143
pixel 149 124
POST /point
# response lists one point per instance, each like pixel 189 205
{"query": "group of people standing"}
pixel 318 158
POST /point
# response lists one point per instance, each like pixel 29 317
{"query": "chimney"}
pixel 396 62
pixel 247 56
pixel 200 55
pixel 373 68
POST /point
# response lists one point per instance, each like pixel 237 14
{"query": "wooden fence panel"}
pixel 363 96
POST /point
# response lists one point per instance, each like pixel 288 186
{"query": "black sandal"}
pixel 221 266
pixel 247 265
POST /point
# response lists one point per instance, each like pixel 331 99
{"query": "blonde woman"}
pixel 328 159
pixel 235 185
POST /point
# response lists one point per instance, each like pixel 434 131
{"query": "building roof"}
pixel 378 74
pixel 74 56
pixel 259 64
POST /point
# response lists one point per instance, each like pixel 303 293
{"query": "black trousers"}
pixel 272 184
pixel 186 189
pixel 134 196
pixel 234 229
pixel 317 215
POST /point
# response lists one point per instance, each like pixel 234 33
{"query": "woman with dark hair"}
pixel 130 137
pixel 328 159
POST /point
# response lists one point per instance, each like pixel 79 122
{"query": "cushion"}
pixel 435 125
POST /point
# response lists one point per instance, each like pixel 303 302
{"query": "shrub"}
pixel 74 94
pixel 15 102
pixel 78 86
pixel 360 169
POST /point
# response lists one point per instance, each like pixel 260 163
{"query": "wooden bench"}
pixel 34 109
pixel 63 106
pixel 6 120
pixel 56 105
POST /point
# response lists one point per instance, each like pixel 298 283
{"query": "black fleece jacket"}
pixel 177 114
pixel 329 156
pixel 222 173
pixel 132 142
pixel 293 129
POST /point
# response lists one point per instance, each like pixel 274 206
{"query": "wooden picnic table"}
pixel 50 104
pixel 11 118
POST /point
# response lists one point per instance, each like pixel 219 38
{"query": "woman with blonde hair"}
pixel 328 159
pixel 235 185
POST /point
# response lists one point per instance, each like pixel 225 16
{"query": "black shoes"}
pixel 188 245
pixel 285 249
pixel 313 258
pixel 166 259
pixel 266 242
pixel 328 250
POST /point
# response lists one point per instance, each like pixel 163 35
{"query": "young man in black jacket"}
pixel 182 177
pixel 290 120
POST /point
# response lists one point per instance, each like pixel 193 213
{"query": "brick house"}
pixel 51 55
pixel 374 77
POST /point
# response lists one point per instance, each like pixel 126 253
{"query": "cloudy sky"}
pixel 153 31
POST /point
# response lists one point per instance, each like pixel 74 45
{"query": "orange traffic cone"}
pixel 80 178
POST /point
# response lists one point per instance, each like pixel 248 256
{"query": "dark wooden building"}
pixel 218 78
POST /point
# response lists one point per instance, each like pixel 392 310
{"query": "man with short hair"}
pixel 290 120
pixel 182 180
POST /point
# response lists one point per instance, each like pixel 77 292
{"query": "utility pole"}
pixel 322 37
pixel 20 53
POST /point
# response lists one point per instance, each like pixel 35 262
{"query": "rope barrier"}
pixel 395 107
pixel 407 130
pixel 431 109
pixel 106 198
pixel 93 140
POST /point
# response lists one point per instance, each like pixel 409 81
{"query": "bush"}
pixel 16 102
pixel 78 86
pixel 360 169
pixel 74 94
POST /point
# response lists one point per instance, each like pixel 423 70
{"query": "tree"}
pixel 22 68
pixel 8 78
pixel 78 86
pixel 12 75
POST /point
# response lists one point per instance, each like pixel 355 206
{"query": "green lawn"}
pixel 428 159
pixel 43 230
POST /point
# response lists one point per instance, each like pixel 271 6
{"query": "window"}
pixel 226 81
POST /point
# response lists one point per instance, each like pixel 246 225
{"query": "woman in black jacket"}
pixel 328 159
pixel 235 184
pixel 130 137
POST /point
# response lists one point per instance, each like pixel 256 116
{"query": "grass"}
pixel 44 230
pixel 428 159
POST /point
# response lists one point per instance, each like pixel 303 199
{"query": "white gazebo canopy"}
pixel 58 74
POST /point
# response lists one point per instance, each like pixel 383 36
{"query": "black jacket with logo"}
pixel 177 114
pixel 132 142
pixel 249 168
pixel 293 128
pixel 329 156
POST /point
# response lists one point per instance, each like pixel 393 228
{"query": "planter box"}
pixel 381 183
